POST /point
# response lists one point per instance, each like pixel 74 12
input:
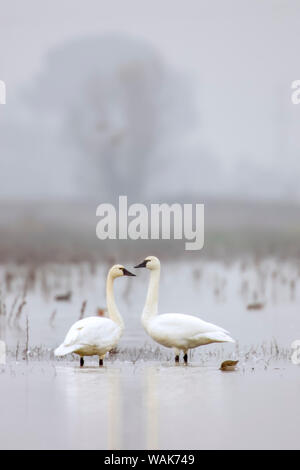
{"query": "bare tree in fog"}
pixel 118 103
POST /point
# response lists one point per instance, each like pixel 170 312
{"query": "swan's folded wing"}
pixel 63 350
pixel 215 337
pixel 91 330
pixel 189 323
pixel 211 327
pixel 73 335
pixel 185 326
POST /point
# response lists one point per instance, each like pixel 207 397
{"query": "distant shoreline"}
pixel 66 232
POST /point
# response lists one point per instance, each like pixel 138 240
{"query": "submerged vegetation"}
pixel 260 355
pixel 252 297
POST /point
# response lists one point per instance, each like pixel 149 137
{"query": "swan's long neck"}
pixel 151 305
pixel 112 308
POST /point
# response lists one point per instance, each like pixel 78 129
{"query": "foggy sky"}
pixel 240 55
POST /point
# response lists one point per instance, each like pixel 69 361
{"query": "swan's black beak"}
pixel 141 265
pixel 127 273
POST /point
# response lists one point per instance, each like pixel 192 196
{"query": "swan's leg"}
pixel 81 362
pixel 100 362
pixel 177 354
pixel 185 358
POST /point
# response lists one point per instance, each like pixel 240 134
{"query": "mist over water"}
pixel 110 114
pixel 163 102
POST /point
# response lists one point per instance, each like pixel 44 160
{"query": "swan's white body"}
pixel 96 335
pixel 92 336
pixel 183 332
pixel 176 330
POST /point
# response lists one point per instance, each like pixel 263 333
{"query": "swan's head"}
pixel 118 270
pixel 151 262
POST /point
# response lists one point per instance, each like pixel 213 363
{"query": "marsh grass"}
pixel 263 356
pixel 259 281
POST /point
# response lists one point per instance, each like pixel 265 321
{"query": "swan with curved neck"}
pixel 95 336
pixel 175 330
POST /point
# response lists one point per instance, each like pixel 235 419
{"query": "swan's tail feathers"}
pixel 63 350
pixel 220 337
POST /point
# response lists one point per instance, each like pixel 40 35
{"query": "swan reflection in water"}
pixel 122 406
pixel 94 406
pixel 151 405
pixel 110 408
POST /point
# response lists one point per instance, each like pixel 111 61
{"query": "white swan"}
pixel 176 330
pixel 95 336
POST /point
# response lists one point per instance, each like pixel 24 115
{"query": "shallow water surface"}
pixel 214 291
pixel 141 399
pixel 148 405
